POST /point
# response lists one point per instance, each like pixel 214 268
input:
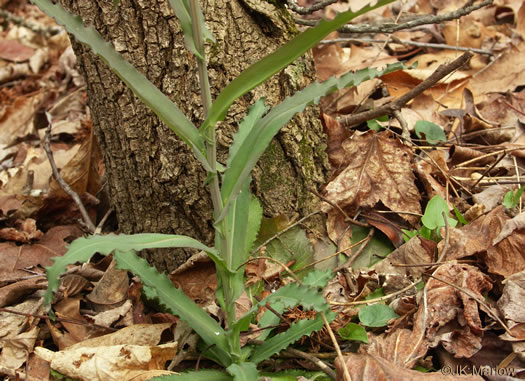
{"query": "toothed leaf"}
pixel 183 13
pixel 152 97
pixel 158 287
pixel 82 249
pixel 265 129
pixel 282 340
pixel 275 62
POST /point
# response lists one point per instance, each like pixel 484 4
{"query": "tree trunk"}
pixel 155 183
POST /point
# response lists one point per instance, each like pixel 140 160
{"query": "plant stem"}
pixel 211 144
pixel 211 147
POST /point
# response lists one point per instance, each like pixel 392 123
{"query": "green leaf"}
pixel 199 375
pixel 374 125
pixel 152 97
pixel 289 296
pixel 82 249
pixel 183 13
pixel 270 319
pixel 377 293
pixel 291 335
pixel 376 315
pixel 318 278
pixel 433 218
pixel 433 133
pixel 353 332
pixel 157 286
pixel 246 371
pixel 273 63
pixel 375 250
pixel 255 112
pixel 512 199
pixel 459 216
pixel 408 234
pixel 508 200
pixel 260 136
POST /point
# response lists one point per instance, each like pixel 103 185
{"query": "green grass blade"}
pixel 157 286
pixel 82 249
pixel 273 63
pixel 263 132
pixel 152 97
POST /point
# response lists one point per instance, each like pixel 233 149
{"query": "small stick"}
pixel 391 27
pixel 65 187
pixel 320 364
pixel 407 42
pixel 292 4
pixel 441 72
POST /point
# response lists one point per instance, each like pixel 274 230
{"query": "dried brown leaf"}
pixel 379 170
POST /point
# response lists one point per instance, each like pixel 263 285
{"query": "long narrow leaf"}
pixel 82 249
pixel 264 131
pixel 273 63
pixel 157 286
pixel 182 11
pixel 152 97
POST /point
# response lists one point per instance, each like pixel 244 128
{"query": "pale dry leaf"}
pixel 515 223
pixel 510 304
pixel 416 251
pixel 379 169
pixel 505 258
pixel 373 368
pixel 138 334
pixel 108 363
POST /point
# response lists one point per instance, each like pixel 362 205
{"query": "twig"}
pixel 320 364
pixel 337 349
pixel 66 320
pixel 389 27
pixel 292 4
pixel 439 73
pixel 358 252
pixel 65 187
pixel 378 300
pixel 411 43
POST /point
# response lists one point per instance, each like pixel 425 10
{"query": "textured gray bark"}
pixel 155 184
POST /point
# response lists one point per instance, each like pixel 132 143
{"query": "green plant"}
pixel 512 198
pixel 237 214
pixel 433 220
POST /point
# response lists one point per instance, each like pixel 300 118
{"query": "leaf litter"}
pixel 463 311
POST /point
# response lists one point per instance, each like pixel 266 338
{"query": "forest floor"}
pixel 444 303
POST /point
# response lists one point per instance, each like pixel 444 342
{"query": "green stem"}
pixel 211 147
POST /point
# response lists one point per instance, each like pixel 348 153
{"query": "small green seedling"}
pixel 433 221
pixel 512 198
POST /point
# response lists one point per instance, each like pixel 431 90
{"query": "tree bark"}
pixel 155 183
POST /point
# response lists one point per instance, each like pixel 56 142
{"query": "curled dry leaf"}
pixel 505 258
pixel 452 317
pixel 379 169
